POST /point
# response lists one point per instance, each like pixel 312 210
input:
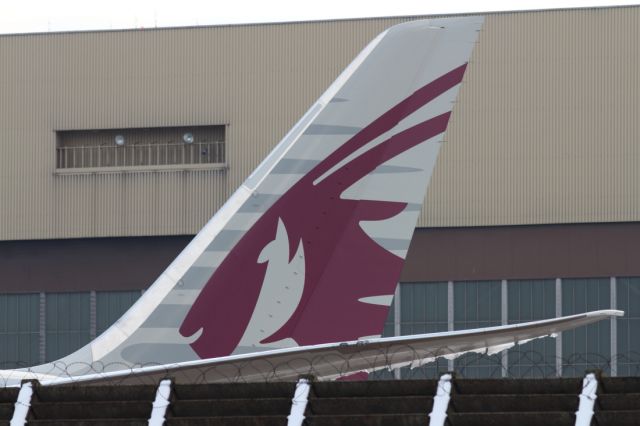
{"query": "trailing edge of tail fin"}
pixel 310 248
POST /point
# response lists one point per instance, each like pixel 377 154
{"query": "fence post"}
pixel 22 405
pixel 587 400
pixel 299 403
pixel 438 414
pixel 161 403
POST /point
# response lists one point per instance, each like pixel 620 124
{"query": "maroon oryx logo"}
pixel 341 263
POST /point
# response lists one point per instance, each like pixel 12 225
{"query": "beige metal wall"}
pixel 547 125
pixel 545 130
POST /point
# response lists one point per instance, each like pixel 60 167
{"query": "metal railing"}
pixel 139 155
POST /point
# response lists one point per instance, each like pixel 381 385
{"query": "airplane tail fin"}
pixel 310 248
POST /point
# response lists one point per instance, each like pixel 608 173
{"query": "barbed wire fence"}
pixel 520 364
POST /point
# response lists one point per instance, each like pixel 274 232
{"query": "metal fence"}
pixel 323 367
pixel 140 155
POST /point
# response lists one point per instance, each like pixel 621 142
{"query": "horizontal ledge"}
pixel 141 169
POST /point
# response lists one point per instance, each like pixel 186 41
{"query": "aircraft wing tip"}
pixel 606 312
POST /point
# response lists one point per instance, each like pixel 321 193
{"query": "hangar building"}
pixel 117 146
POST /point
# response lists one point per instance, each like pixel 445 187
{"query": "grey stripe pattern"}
pixel 161 353
pixel 396 169
pixel 195 278
pixel 166 315
pixel 393 243
pixel 413 207
pixel 331 129
pixel 259 203
pixel 294 166
pixel 225 240
pixel 210 259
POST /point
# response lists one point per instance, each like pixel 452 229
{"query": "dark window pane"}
pixel 111 305
pixel 477 304
pixel 388 331
pixel 67 323
pixel 19 330
pixel 423 310
pixel 587 347
pixel 628 300
pixel 531 300
pixel 389 325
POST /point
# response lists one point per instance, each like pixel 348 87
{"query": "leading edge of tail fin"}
pixel 310 248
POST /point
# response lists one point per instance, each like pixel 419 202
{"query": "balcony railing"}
pixel 78 157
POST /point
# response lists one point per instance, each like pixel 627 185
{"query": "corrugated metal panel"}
pixel 102 80
pixel 545 129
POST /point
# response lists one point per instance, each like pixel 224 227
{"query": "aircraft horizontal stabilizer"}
pixel 330 361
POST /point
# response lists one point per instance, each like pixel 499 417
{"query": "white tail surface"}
pixel 310 248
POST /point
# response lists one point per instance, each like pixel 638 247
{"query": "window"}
pixel 389 324
pixel 532 300
pixel 423 310
pixel 111 305
pixel 587 347
pixel 387 331
pixel 477 304
pixel 67 323
pixel 19 330
pixel 141 148
pixel 628 300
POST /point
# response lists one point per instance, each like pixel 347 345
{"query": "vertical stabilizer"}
pixel 310 248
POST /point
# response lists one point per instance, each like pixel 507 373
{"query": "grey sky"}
pixel 19 16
